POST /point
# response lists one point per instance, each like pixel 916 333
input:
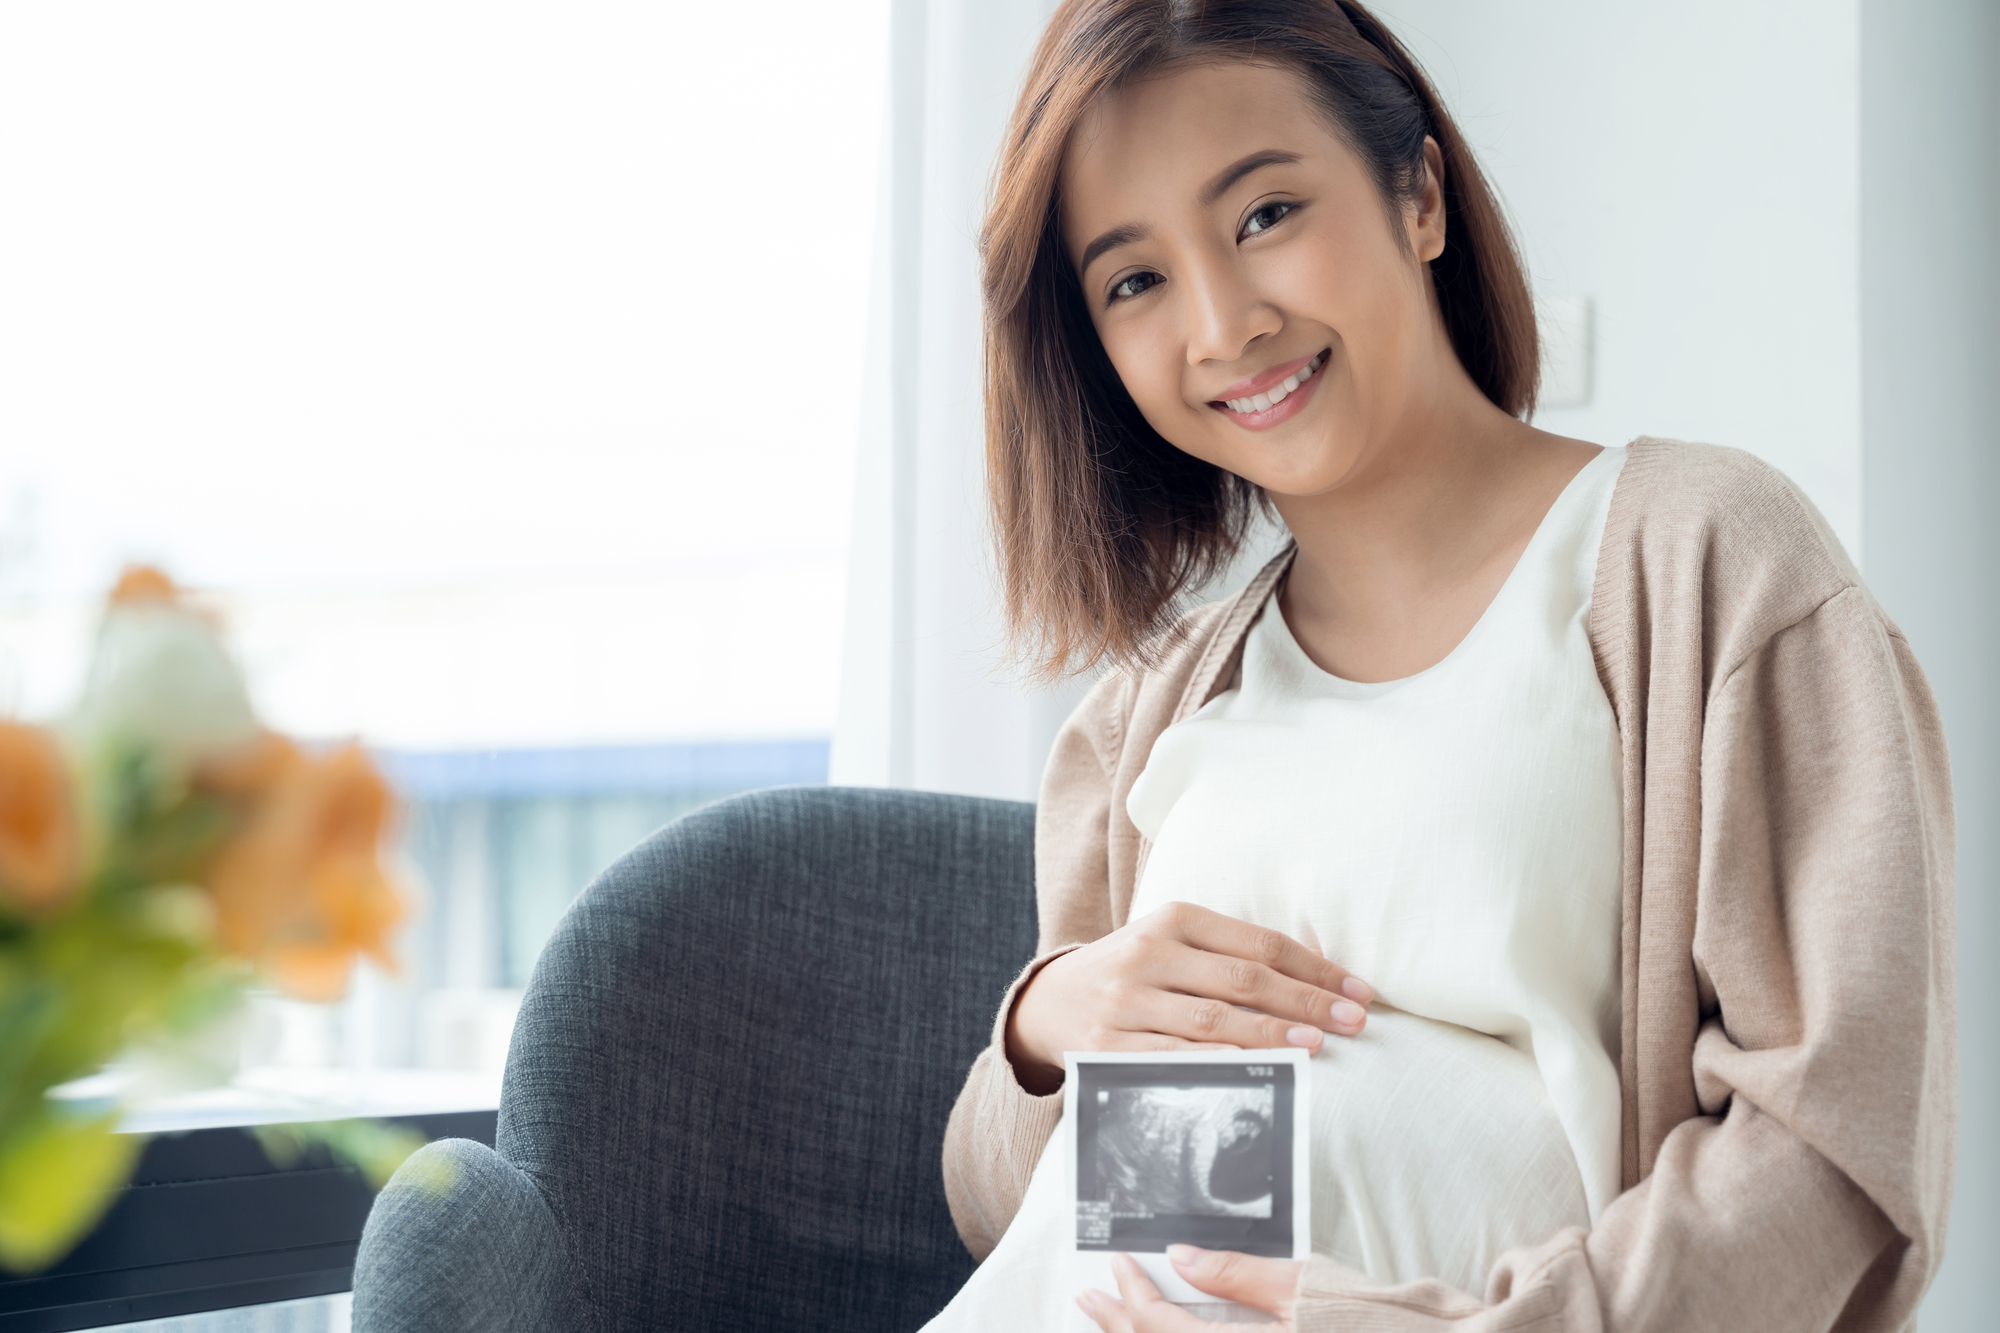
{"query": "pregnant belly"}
pixel 1435 1150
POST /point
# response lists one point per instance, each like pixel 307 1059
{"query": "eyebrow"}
pixel 1237 170
pixel 1214 190
pixel 1110 240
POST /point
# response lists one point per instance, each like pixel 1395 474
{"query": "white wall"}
pixel 1692 169
pixel 1930 209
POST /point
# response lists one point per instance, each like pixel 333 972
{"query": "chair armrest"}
pixel 461 1239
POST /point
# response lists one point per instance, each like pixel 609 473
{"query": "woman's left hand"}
pixel 1270 1285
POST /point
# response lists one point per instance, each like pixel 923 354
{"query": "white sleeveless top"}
pixel 1453 838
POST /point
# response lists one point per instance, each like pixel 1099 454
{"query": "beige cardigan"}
pixel 1788 1042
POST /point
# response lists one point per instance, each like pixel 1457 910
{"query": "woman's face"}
pixel 1245 277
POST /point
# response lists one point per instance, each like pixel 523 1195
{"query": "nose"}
pixel 1224 313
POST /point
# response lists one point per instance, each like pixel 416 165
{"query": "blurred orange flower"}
pixel 300 888
pixel 38 836
pixel 143 583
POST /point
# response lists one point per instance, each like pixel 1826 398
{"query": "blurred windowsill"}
pixel 279 1094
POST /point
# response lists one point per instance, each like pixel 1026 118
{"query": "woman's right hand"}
pixel 1180 979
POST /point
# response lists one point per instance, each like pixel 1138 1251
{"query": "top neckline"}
pixel 1576 491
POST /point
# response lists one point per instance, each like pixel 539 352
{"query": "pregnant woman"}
pixel 1576 808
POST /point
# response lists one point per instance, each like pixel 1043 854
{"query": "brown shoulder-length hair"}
pixel 1101 525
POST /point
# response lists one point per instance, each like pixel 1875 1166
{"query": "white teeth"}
pixel 1278 392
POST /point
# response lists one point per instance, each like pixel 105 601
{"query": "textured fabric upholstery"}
pixel 461 1239
pixel 731 1073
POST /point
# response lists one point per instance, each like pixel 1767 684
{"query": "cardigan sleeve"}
pixel 997 1128
pixel 1811 1191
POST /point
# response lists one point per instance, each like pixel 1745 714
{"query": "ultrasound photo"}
pixel 1185 1150
pixel 1200 1153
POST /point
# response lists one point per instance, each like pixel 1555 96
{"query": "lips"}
pixel 1272 385
pixel 1274 395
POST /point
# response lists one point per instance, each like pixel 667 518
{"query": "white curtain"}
pixel 926 697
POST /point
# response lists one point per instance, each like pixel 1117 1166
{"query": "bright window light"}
pixel 495 369
pixel 499 363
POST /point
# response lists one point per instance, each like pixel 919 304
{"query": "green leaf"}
pixel 57 1176
pixel 373 1147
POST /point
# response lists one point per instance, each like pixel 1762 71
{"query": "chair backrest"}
pixel 731 1073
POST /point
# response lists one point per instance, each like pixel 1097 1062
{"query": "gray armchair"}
pixel 725 1100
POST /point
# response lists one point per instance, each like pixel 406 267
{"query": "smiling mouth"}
pixel 1277 393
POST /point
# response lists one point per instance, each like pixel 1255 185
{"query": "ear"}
pixel 1426 224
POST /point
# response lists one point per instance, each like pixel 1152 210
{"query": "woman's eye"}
pixel 1133 285
pixel 1265 218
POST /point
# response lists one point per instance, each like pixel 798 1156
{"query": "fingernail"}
pixel 1083 1301
pixel 1357 990
pixel 1347 1014
pixel 1303 1036
pixel 1183 1256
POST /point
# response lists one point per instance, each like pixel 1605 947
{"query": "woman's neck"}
pixel 1398 562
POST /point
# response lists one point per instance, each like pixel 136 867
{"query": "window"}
pixel 495 371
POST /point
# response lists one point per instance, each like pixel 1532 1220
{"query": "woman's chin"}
pixel 1297 478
